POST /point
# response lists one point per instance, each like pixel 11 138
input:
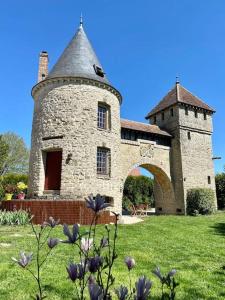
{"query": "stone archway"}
pixel 163 188
pixel 156 159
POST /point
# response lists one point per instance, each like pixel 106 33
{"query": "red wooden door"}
pixel 53 170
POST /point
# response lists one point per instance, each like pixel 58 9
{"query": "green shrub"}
pixel 126 203
pixel 2 191
pixel 16 217
pixel 139 190
pixel 14 178
pixel 200 201
pixel 220 190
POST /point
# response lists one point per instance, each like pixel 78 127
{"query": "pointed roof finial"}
pixel 81 20
pixel 177 79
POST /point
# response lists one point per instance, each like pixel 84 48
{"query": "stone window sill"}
pixel 101 176
pixel 104 130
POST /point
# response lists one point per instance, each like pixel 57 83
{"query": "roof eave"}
pixel 96 83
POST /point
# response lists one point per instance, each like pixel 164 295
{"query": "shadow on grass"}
pixel 48 288
pixel 219 228
pixel 194 294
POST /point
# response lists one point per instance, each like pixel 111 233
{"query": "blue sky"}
pixel 142 44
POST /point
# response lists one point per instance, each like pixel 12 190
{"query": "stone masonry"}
pixel 175 147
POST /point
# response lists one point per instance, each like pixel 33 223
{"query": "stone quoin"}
pixel 80 145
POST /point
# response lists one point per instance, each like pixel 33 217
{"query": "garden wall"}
pixel 68 211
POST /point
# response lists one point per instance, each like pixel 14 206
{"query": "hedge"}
pixel 200 201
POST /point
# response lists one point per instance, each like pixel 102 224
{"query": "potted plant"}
pixel 21 186
pixel 9 191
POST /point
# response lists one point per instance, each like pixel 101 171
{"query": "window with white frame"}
pixel 103 116
pixel 103 161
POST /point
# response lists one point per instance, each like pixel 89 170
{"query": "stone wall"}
pixel 69 110
pixel 191 150
pixel 65 118
pixel 155 159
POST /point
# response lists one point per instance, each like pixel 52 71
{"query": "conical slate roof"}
pixel 179 95
pixel 78 59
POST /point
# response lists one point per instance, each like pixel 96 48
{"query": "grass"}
pixel 195 246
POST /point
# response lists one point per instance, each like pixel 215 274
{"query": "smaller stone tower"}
pixel 189 120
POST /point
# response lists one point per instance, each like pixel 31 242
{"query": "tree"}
pixel 4 150
pixel 220 190
pixel 138 190
pixel 17 158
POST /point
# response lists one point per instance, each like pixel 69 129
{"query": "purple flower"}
pixel 24 259
pixel 162 278
pixel 51 222
pixel 95 292
pixel 130 262
pixel 94 263
pixel 96 204
pixel 143 287
pixel 91 279
pixel 172 273
pixel 75 271
pixel 122 292
pixel 158 274
pixel 52 242
pixel 72 236
pixel 104 242
pixel 86 244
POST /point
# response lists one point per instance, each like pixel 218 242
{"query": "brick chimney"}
pixel 43 66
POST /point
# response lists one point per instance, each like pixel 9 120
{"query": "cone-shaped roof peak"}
pixel 79 60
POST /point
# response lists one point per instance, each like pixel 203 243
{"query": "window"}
pixel 103 161
pixel 154 120
pixel 189 135
pixel 209 180
pixel 103 116
pixel 196 114
pixel 186 111
pixel 163 116
pixel 205 116
pixel 171 112
pixel 98 71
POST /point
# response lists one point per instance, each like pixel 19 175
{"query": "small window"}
pixel 205 116
pixel 196 114
pixel 103 161
pixel 43 76
pixel 189 135
pixel 163 116
pixel 186 111
pixel 108 199
pixel 209 180
pixel 98 71
pixel 154 119
pixel 103 116
pixel 171 112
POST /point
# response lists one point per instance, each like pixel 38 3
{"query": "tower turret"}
pixel 76 128
pixel 189 120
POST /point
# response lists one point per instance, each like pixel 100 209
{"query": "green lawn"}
pixel 195 246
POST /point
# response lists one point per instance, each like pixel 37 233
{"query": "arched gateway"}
pixel 154 156
pixel 81 146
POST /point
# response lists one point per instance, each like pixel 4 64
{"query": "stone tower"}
pixel 76 127
pixel 189 120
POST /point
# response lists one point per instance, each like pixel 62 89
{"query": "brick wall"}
pixel 68 211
